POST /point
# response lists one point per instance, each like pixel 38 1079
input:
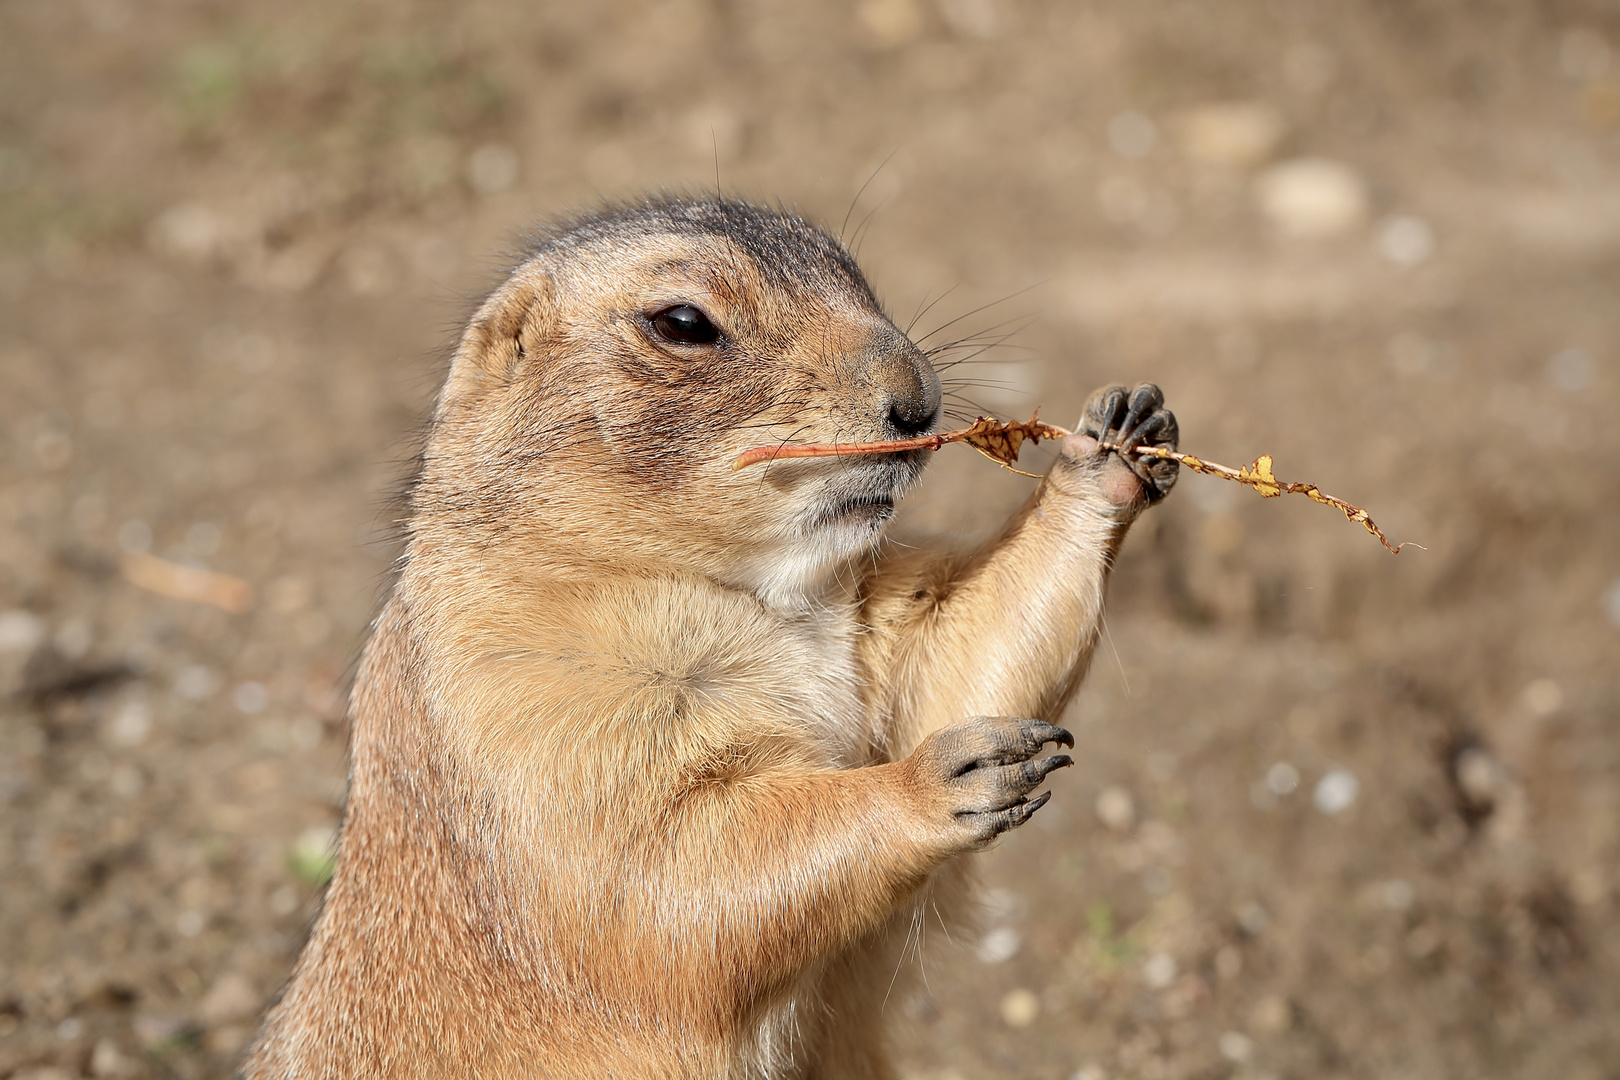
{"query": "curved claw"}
pixel 1036 771
pixel 1145 400
pixel 1103 412
pixel 1017 815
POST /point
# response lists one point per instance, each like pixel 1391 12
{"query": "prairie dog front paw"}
pixel 975 778
pixel 1127 419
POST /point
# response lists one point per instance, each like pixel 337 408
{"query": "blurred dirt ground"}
pixel 1337 814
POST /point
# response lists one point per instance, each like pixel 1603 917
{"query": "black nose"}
pixel 907 387
pixel 912 415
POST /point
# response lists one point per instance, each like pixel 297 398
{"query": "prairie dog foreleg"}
pixel 1011 629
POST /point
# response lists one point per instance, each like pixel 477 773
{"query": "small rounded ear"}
pixel 506 334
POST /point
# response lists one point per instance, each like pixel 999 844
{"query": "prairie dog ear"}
pixel 506 333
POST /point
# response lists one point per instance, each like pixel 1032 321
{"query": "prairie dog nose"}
pixel 909 385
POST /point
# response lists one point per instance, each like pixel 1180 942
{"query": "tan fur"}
pixel 634 790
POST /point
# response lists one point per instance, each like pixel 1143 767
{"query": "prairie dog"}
pixel 652 760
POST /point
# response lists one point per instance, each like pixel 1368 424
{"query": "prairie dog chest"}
pixel 834 698
pixel 798 672
pixel 677 663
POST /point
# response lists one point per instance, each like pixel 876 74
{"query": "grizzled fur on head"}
pixel 569 419
pixel 785 247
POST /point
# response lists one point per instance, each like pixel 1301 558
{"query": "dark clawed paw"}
pixel 1127 419
pixel 988 766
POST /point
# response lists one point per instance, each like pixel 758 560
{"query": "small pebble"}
pixel 1235 1046
pixel 20 631
pixel 190 923
pixel 1159 970
pixel 1406 240
pixel 1132 134
pixel 1336 792
pixel 188 230
pixel 1271 1015
pixel 1116 809
pixel 130 725
pixel 1020 1008
pixel 250 698
pixel 1282 778
pixel 1481 776
pixel 1396 894
pixel 1312 197
pixel 1544 697
pixel 1611 603
pixel 106 1060
pixel 1253 918
pixel 194 682
pixel 999 945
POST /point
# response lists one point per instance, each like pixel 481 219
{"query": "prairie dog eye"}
pixel 684 324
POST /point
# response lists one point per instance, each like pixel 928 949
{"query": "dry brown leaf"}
pixel 1001 441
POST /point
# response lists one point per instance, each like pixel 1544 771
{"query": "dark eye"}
pixel 685 325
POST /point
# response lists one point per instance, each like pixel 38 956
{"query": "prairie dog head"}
pixel 598 398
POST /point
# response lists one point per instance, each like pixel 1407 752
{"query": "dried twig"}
pixel 187 582
pixel 1001 442
pixel 998 441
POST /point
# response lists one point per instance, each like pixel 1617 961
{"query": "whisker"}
pixel 861 228
pixel 975 311
pixel 952 385
pixel 766 470
pixel 856 201
pixel 984 338
pixel 917 317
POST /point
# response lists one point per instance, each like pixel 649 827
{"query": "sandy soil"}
pixel 1337 814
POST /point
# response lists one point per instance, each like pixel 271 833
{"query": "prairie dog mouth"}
pixel 858 510
pixel 865 493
